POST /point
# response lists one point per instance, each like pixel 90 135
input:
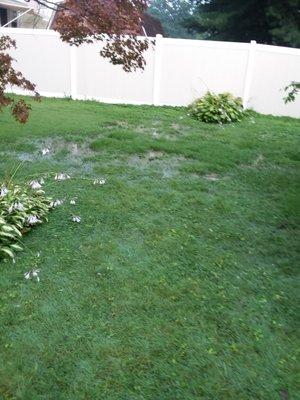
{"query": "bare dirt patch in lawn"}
pixel 212 177
pixel 72 154
pixel 68 149
pixel 168 166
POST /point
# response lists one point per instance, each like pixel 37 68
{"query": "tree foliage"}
pixel 173 16
pixel 10 77
pixel 266 21
pixel 116 23
pixel 292 91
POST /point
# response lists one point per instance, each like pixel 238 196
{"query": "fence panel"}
pixel 177 71
pixel 99 79
pixel 274 68
pixel 44 59
pixel 190 68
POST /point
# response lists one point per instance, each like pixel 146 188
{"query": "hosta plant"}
pixel 217 108
pixel 21 208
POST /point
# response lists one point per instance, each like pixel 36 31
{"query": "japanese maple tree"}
pixel 9 76
pixel 116 23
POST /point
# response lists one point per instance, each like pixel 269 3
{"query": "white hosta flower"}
pixel 75 218
pixel 56 203
pixel 33 219
pixel 62 177
pixel 34 273
pixel 3 191
pixel 212 177
pixel 19 206
pixel 35 185
pixel 100 182
pixel 16 206
pixel 73 202
pixel 27 275
pixel 45 151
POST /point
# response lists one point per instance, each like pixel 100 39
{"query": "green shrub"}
pixel 21 208
pixel 217 108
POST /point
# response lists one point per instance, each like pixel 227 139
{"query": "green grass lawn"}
pixel 180 283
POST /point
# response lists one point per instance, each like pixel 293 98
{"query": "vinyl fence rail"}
pixel 177 71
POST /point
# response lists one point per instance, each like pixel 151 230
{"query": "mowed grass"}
pixel 180 283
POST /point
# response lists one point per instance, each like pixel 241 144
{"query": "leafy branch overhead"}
pixel 10 77
pixel 116 23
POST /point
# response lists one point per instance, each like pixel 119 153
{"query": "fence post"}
pixel 157 69
pixel 73 71
pixel 249 73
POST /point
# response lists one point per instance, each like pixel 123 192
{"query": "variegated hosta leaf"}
pixel 16 247
pixel 7 251
pixel 6 235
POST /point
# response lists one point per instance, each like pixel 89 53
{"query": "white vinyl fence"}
pixel 177 72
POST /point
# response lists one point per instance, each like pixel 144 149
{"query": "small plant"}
pixel 21 208
pixel 217 108
pixel 292 90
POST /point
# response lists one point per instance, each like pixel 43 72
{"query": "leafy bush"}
pixel 21 208
pixel 217 108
